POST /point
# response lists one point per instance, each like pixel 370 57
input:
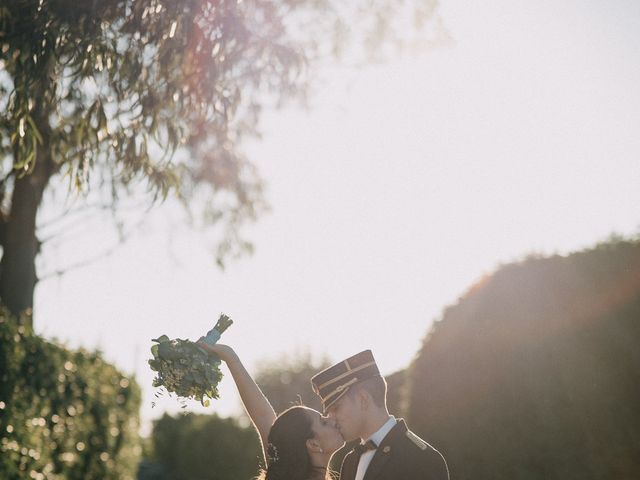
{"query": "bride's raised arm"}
pixel 255 403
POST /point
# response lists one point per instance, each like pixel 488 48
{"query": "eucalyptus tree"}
pixel 112 94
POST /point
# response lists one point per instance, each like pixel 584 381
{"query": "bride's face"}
pixel 325 432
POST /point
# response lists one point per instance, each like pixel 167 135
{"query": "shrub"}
pixel 63 414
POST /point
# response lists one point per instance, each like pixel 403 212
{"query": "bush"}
pixel 204 447
pixel 63 414
pixel 534 373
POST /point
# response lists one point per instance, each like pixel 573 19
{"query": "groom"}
pixel 354 394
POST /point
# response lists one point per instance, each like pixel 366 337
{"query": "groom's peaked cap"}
pixel 332 383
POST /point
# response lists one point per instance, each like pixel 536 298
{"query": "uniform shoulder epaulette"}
pixel 421 444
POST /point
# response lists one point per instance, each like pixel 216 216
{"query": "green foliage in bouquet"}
pixel 185 369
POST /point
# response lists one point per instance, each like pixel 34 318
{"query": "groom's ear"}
pixel 362 398
pixel 313 445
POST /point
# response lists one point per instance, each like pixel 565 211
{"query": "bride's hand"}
pixel 225 352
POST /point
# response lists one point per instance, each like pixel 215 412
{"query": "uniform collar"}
pixel 378 437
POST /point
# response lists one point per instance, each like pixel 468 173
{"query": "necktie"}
pixel 365 447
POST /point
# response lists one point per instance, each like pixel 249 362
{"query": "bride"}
pixel 298 443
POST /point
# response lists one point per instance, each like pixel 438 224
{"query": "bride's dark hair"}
pixel 288 458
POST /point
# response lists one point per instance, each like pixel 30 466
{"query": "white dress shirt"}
pixel 377 438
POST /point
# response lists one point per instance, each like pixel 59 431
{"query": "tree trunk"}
pixel 20 245
pixel 17 269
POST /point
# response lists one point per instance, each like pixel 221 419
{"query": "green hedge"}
pixel 204 447
pixel 63 414
pixel 535 372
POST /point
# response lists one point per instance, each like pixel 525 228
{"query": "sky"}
pixel 401 186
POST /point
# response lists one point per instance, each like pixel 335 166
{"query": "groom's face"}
pixel 348 416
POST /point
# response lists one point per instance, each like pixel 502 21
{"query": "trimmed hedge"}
pixel 204 447
pixel 63 414
pixel 535 372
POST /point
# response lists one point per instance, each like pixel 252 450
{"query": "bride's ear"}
pixel 314 446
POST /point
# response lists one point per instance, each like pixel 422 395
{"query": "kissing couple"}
pixel 298 443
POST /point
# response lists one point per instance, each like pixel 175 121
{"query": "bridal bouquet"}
pixel 186 369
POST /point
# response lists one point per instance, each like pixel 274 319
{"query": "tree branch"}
pixel 88 261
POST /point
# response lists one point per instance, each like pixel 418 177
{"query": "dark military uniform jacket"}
pixel 402 455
